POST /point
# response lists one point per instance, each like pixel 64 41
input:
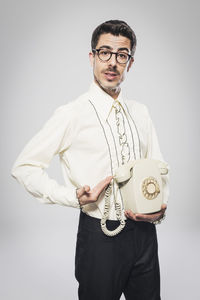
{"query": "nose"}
pixel 112 61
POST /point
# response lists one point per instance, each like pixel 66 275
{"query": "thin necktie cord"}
pixel 113 106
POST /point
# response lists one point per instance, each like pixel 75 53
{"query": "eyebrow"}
pixel 119 49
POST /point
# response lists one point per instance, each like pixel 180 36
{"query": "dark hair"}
pixel 115 27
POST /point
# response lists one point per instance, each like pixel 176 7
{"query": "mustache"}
pixel 111 70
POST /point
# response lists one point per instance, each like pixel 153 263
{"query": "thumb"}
pixel 164 206
pixel 83 189
pixel 87 188
pixel 108 179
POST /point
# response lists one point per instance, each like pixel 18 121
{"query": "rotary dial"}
pixel 150 188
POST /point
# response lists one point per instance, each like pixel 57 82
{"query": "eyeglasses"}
pixel 105 55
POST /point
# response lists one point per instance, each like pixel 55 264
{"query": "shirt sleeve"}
pixel 153 151
pixel 29 168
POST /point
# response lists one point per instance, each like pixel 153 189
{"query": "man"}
pixel 94 135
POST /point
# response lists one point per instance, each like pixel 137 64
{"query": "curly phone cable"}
pixel 106 214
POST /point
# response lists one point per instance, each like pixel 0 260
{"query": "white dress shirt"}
pixel 85 134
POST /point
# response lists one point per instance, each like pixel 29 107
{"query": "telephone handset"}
pixel 140 182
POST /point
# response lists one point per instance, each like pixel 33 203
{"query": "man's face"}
pixel 109 74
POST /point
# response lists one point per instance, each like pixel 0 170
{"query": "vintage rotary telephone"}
pixel 140 182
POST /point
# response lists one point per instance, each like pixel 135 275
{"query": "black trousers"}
pixel 106 267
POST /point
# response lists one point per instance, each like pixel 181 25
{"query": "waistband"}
pixel 94 224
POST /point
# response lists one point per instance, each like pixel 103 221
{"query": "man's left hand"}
pixel 146 217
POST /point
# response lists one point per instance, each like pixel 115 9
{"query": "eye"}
pixel 122 55
pixel 104 52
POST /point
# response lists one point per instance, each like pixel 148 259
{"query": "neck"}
pixel 113 92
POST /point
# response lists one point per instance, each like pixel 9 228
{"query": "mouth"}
pixel 110 75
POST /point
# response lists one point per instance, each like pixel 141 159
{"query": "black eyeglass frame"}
pixel 111 53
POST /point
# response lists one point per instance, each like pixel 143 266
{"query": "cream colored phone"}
pixel 140 182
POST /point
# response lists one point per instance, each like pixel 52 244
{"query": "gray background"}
pixel 44 64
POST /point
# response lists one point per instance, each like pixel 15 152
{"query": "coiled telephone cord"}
pixel 106 214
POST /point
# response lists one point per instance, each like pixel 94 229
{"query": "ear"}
pixel 130 63
pixel 91 58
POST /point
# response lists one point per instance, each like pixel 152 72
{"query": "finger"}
pixel 107 180
pixel 86 194
pixel 143 218
pixel 153 215
pixel 163 207
pixel 102 184
pixel 130 215
pixel 146 217
pixel 149 216
pixel 83 190
pixel 87 188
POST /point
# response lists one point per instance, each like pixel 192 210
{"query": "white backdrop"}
pixel 44 64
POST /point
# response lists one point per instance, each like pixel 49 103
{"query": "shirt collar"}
pixel 103 101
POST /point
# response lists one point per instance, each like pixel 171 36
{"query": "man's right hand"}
pixel 86 196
